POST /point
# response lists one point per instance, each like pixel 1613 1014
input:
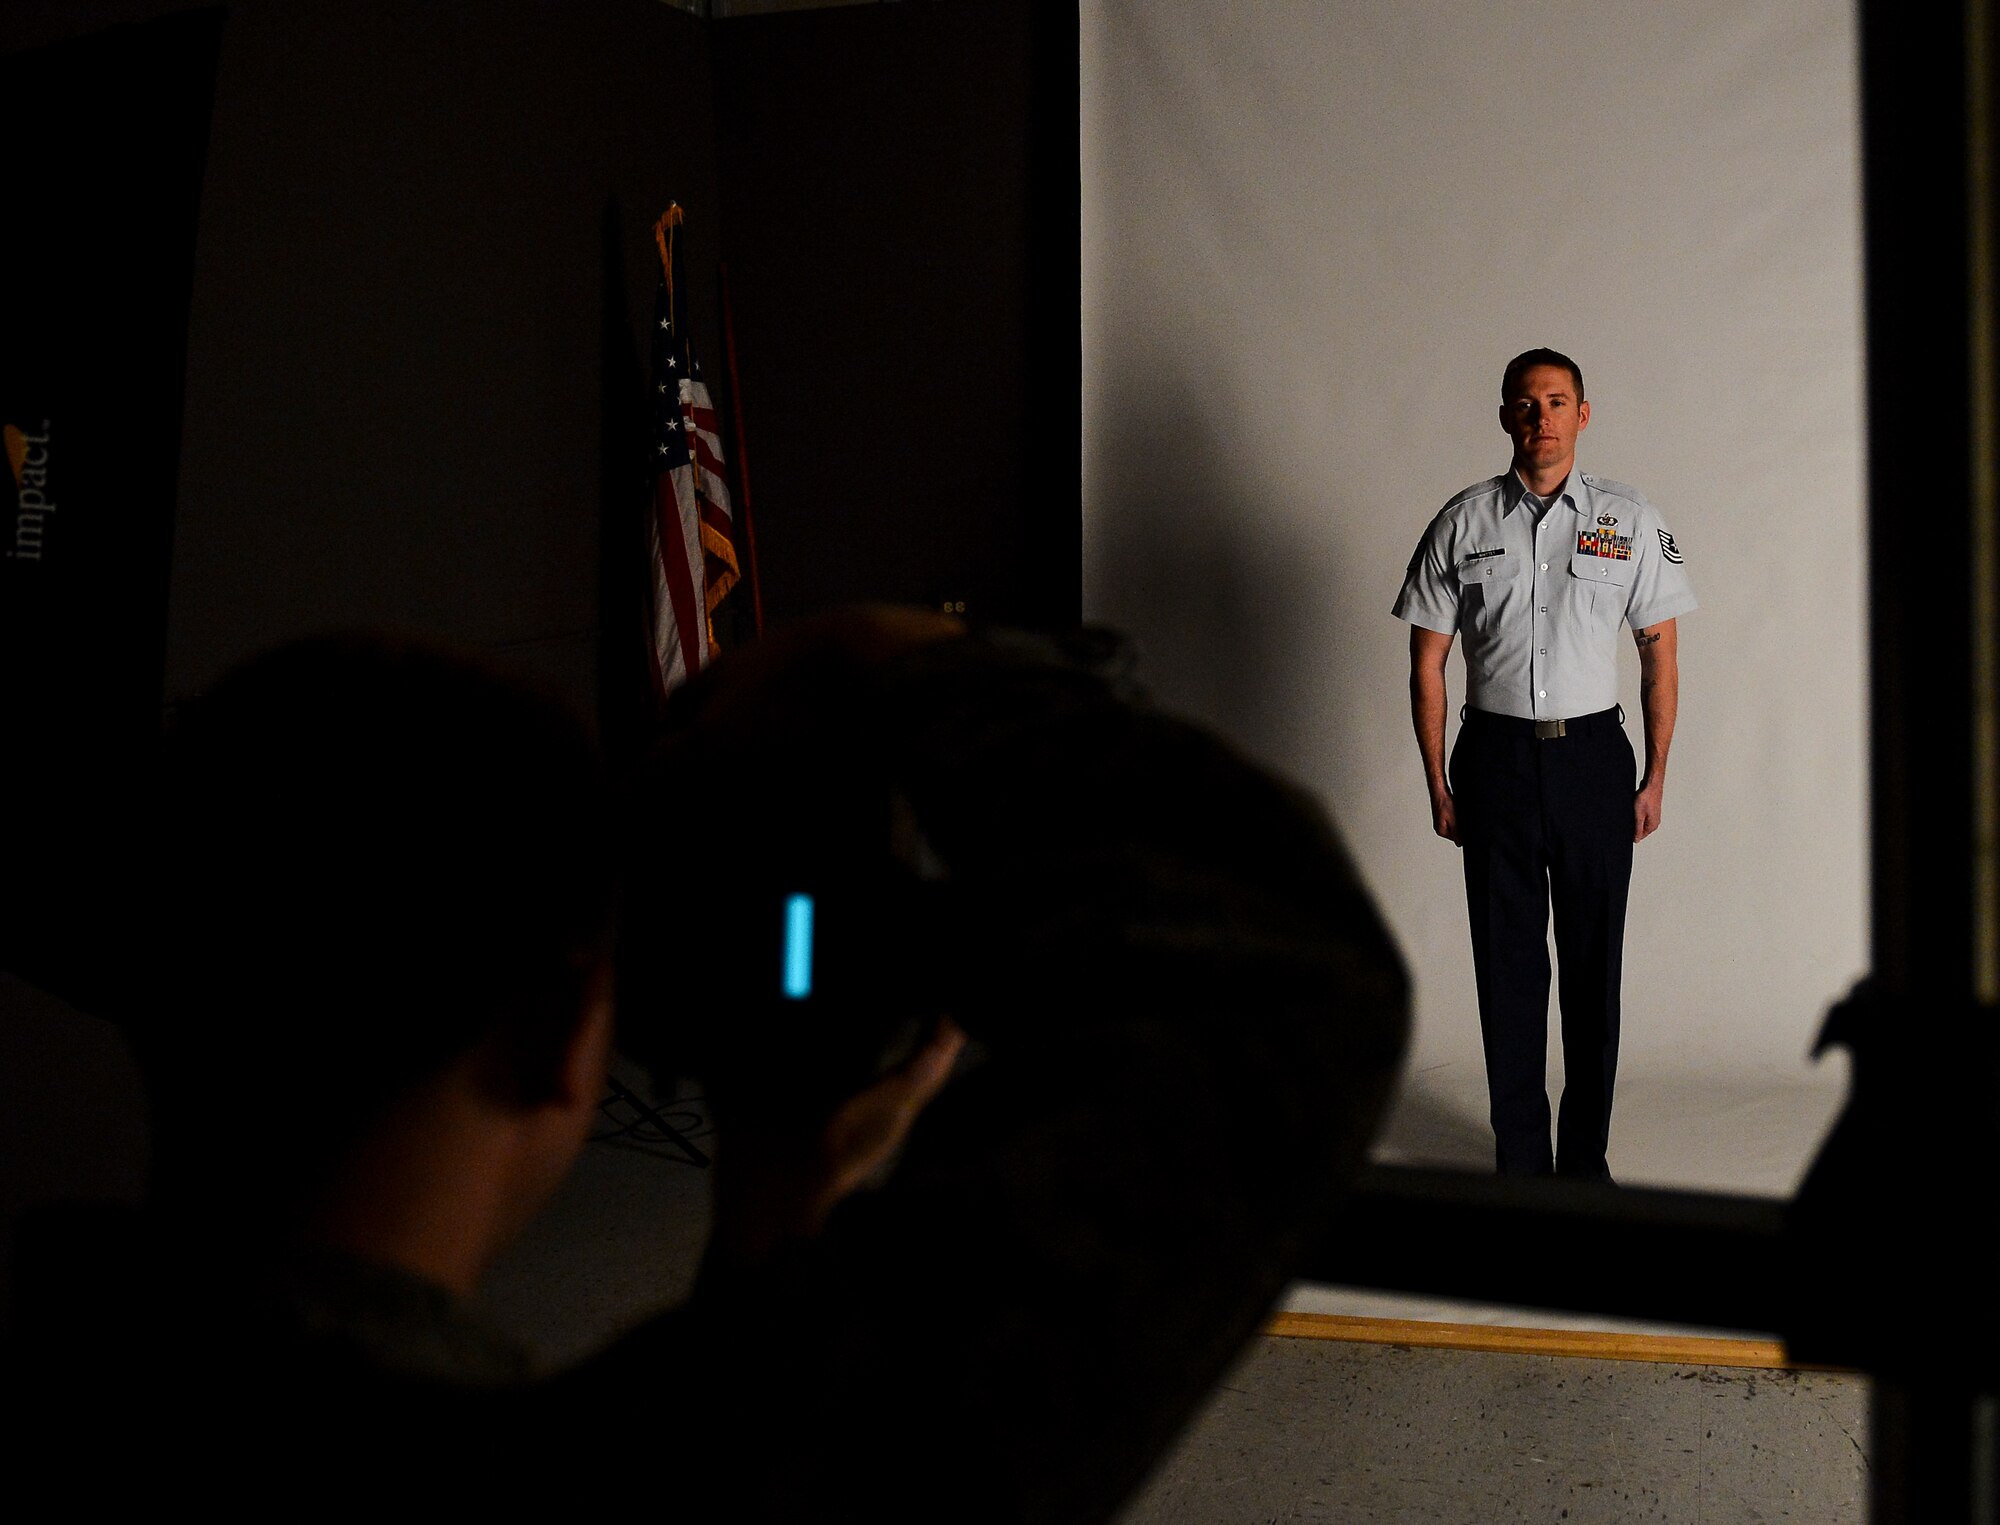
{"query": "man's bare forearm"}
pixel 1427 715
pixel 1428 651
pixel 1659 693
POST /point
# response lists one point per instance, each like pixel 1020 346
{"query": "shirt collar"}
pixel 1513 491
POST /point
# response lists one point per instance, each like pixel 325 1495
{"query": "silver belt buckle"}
pixel 1547 729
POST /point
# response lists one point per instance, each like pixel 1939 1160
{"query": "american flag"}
pixel 690 533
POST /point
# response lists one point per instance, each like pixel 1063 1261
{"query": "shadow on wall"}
pixel 1192 557
pixel 1429 1125
pixel 1248 626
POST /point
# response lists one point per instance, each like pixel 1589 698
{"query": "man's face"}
pixel 1543 417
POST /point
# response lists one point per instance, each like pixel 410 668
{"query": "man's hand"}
pixel 1444 815
pixel 1646 808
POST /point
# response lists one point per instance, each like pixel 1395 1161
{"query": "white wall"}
pixel 1313 235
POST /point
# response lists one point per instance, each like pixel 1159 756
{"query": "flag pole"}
pixel 742 455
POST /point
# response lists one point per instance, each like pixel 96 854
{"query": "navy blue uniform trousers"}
pixel 1546 824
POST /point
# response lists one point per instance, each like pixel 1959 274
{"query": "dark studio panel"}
pixel 900 187
pixel 426 229
pixel 106 137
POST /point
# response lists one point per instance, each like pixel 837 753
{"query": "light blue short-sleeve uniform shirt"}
pixel 1539 590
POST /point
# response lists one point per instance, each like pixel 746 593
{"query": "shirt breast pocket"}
pixel 1603 586
pixel 1485 587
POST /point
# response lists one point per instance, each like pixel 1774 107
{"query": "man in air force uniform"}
pixel 1538 569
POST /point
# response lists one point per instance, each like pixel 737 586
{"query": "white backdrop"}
pixel 1313 234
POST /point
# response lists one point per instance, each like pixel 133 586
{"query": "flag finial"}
pixel 663 235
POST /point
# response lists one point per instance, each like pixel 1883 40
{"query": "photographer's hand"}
pixel 778 1181
pixel 870 1126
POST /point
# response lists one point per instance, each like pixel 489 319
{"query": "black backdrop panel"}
pixel 106 138
pixel 423 223
pixel 900 205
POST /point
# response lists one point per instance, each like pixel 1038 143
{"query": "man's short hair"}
pixel 1527 360
pixel 374 852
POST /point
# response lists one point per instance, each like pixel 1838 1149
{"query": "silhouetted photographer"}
pixel 1043 1032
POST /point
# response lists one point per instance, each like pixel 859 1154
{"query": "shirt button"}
pixel 1545 608
pixel 1545 566
pixel 1545 651
pixel 1541 693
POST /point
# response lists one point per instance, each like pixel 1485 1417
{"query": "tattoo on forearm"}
pixel 1642 640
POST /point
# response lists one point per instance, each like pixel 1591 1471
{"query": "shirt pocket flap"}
pixel 1486 569
pixel 1601 569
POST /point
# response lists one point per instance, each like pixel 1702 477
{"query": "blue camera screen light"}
pixel 798 947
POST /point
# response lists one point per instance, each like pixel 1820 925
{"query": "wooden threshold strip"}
pixel 1597 1344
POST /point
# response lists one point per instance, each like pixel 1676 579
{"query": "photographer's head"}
pixel 1014 837
pixel 385 911
pixel 773 793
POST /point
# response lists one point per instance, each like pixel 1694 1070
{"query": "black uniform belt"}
pixel 1547 730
